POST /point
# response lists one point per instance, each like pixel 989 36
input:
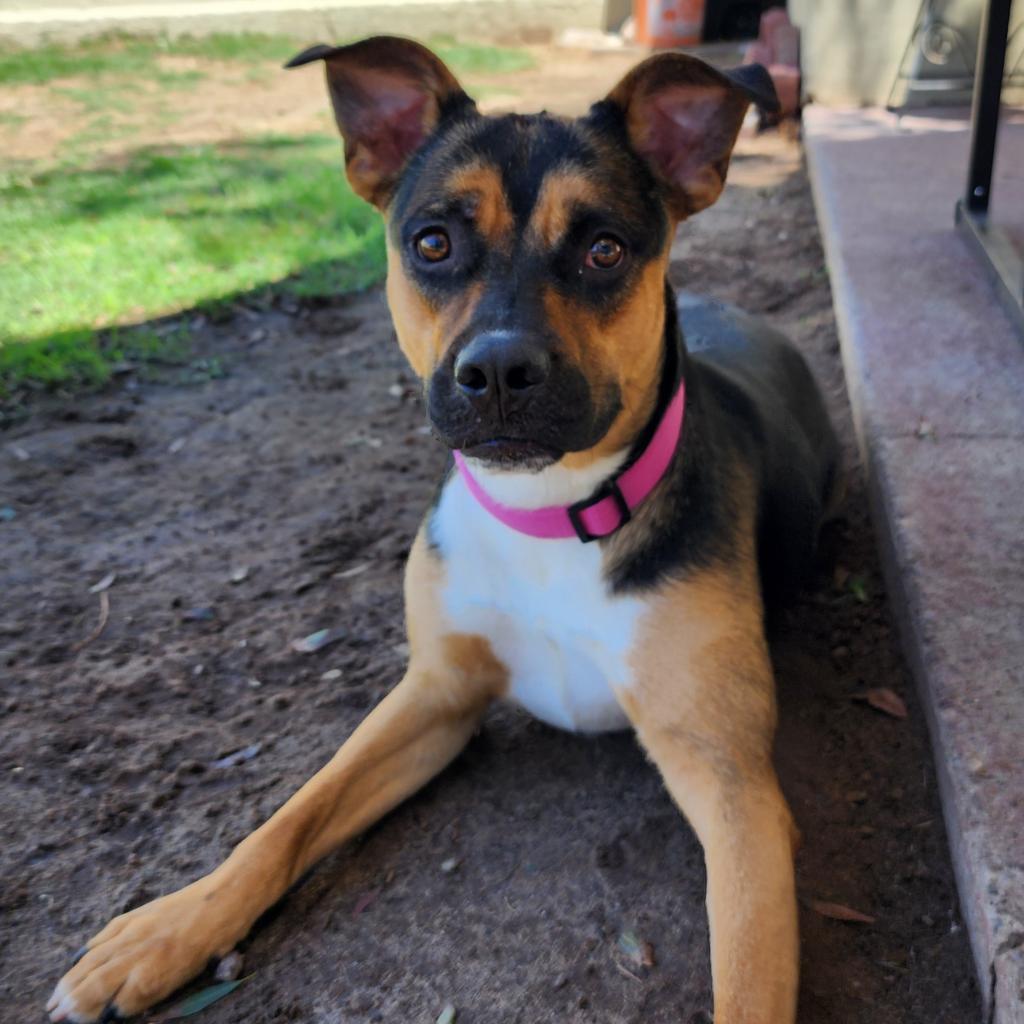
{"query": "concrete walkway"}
pixel 27 23
pixel 936 376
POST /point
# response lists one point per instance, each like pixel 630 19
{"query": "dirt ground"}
pixel 247 508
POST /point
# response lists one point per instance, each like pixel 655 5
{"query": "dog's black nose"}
pixel 501 366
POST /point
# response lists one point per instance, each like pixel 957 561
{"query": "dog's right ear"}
pixel 388 94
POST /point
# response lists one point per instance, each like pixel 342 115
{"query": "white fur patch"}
pixel 543 604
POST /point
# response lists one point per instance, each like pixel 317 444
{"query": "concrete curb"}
pixel 935 375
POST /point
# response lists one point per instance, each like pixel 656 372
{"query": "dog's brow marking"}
pixel 481 185
pixel 560 191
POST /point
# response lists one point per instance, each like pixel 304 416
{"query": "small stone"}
pixel 449 865
pixel 279 702
pixel 331 674
pixel 203 613
pixel 230 966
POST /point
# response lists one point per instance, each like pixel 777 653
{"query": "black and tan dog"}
pixel 617 507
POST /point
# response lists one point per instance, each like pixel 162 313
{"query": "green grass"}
pixel 125 56
pixel 476 59
pixel 122 56
pixel 82 250
pixel 169 231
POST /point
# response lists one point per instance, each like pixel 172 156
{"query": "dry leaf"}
pixel 104 584
pixel 858 587
pixel 365 902
pixel 316 641
pixel 838 912
pixel 199 1000
pixel 885 700
pixel 238 757
pixel 638 951
pixel 355 570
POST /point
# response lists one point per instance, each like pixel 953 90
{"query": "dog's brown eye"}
pixel 606 253
pixel 434 246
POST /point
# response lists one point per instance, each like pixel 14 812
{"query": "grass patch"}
pixel 82 250
pixel 168 231
pixel 124 56
pixel 478 59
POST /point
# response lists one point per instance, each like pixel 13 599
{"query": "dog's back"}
pixel 759 389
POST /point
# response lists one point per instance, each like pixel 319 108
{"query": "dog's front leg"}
pixel 144 955
pixel 702 704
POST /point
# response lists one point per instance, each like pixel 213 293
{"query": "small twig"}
pixel 100 626
pixel 627 972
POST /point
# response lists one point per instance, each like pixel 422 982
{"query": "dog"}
pixel 619 507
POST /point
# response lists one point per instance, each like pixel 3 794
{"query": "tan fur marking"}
pixel 408 738
pixel 424 333
pixel 626 349
pixel 703 705
pixel 559 192
pixel 481 186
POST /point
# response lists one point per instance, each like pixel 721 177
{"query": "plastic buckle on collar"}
pixel 607 490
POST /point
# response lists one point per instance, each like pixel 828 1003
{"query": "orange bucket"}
pixel 667 23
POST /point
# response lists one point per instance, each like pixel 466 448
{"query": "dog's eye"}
pixel 433 245
pixel 605 253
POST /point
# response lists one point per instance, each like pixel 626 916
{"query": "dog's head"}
pixel 527 254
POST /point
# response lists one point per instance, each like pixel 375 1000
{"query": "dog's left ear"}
pixel 682 117
pixel 388 94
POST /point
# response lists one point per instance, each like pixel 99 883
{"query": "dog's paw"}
pixel 138 959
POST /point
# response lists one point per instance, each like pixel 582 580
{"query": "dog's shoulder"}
pixel 757 460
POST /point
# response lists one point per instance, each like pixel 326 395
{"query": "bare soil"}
pixel 307 465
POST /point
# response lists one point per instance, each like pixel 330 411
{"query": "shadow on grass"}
pixel 165 231
pixel 172 349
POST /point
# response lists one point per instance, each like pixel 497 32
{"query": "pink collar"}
pixel 610 506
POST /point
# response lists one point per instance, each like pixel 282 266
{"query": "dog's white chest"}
pixel 545 609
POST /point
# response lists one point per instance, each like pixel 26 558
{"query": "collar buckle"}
pixel 609 489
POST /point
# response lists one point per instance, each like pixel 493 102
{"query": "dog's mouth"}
pixel 512 453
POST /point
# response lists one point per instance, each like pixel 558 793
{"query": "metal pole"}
pixel 988 85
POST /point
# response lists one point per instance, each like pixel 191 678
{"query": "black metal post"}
pixel 988 87
pixel 993 247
